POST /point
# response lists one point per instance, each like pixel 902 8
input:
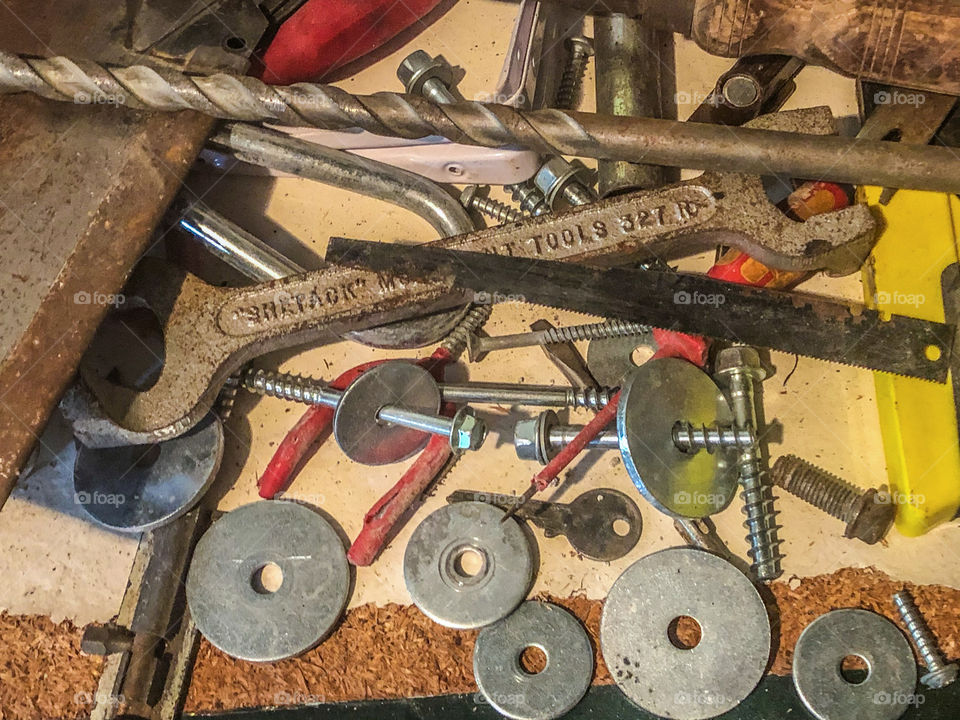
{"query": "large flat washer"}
pixel 685 684
pixel 891 669
pixel 236 613
pixel 443 590
pixel 653 398
pixel 550 693
pixel 369 441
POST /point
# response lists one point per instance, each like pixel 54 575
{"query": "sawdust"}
pixel 396 651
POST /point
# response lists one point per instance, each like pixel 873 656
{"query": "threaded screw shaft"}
pixel 591 398
pixel 529 198
pixel 552 336
pixel 287 386
pixel 939 672
pixel 689 438
pixel 568 92
pixel 458 338
pixel 501 212
pixel 822 489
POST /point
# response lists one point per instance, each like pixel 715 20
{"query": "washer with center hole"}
pixel 653 398
pixel 268 581
pixel 649 666
pixel 369 441
pixel 550 693
pixel 891 680
pixel 440 579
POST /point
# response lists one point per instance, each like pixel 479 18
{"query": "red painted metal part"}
pixel 324 35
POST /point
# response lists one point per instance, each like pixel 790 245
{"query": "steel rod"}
pixel 551 132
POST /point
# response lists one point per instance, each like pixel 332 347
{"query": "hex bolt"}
pixel 499 211
pixel 690 438
pixel 464 430
pixel 740 368
pixel 542 437
pixel 939 672
pixel 867 513
pixel 528 198
pixel 106 639
pixel 557 179
pixel 428 76
pixel 571 82
pixel 480 346
pixel 529 395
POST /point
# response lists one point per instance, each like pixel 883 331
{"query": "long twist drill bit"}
pixel 550 132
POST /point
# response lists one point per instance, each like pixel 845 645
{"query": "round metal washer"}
pixel 550 693
pixel 367 440
pixel 653 398
pixel 135 488
pixel 443 589
pixel 891 669
pixel 226 595
pixel 687 684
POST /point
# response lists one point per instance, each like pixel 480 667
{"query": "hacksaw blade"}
pixel 843 332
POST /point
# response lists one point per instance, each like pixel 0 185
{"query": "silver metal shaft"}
pixel 571 333
pixel 939 673
pixel 691 438
pixel 562 435
pixel 550 132
pixel 530 395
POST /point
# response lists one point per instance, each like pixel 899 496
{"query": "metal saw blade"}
pixel 823 328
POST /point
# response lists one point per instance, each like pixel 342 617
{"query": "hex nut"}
pixel 871 517
pixel 468 431
pixel 525 439
pixel 739 358
pixel 418 67
pixel 553 176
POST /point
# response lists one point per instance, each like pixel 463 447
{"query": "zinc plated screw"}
pixel 480 346
pixel 939 672
pixel 568 92
pixel 558 178
pixel 499 211
pixel 867 513
pixel 529 198
pixel 690 438
pixel 741 369
pixel 428 76
pixel 464 430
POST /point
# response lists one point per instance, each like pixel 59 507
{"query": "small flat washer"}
pixel 234 604
pixel 653 398
pixel 135 488
pixel 891 680
pixel 717 673
pixel 550 693
pixel 369 441
pixel 440 581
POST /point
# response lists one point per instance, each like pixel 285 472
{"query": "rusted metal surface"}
pixel 209 332
pixel 81 189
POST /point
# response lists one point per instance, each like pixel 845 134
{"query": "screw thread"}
pixel 501 212
pixel 458 338
pixel 822 489
pixel 568 92
pixel 688 437
pixel 528 197
pixel 286 386
pixel 762 529
pixel 591 398
pixel 593 331
pixel 919 631
pixel 576 193
pixel 228 396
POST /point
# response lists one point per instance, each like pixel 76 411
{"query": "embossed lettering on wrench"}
pixel 210 332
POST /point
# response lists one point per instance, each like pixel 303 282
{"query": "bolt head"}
pixel 468 194
pixel 739 358
pixel 525 434
pixel 871 518
pixel 468 432
pixel 553 176
pixel 940 677
pixel 581 44
pixel 418 67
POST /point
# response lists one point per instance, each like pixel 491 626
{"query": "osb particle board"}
pixel 394 651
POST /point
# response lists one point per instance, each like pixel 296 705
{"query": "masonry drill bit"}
pixel 550 132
